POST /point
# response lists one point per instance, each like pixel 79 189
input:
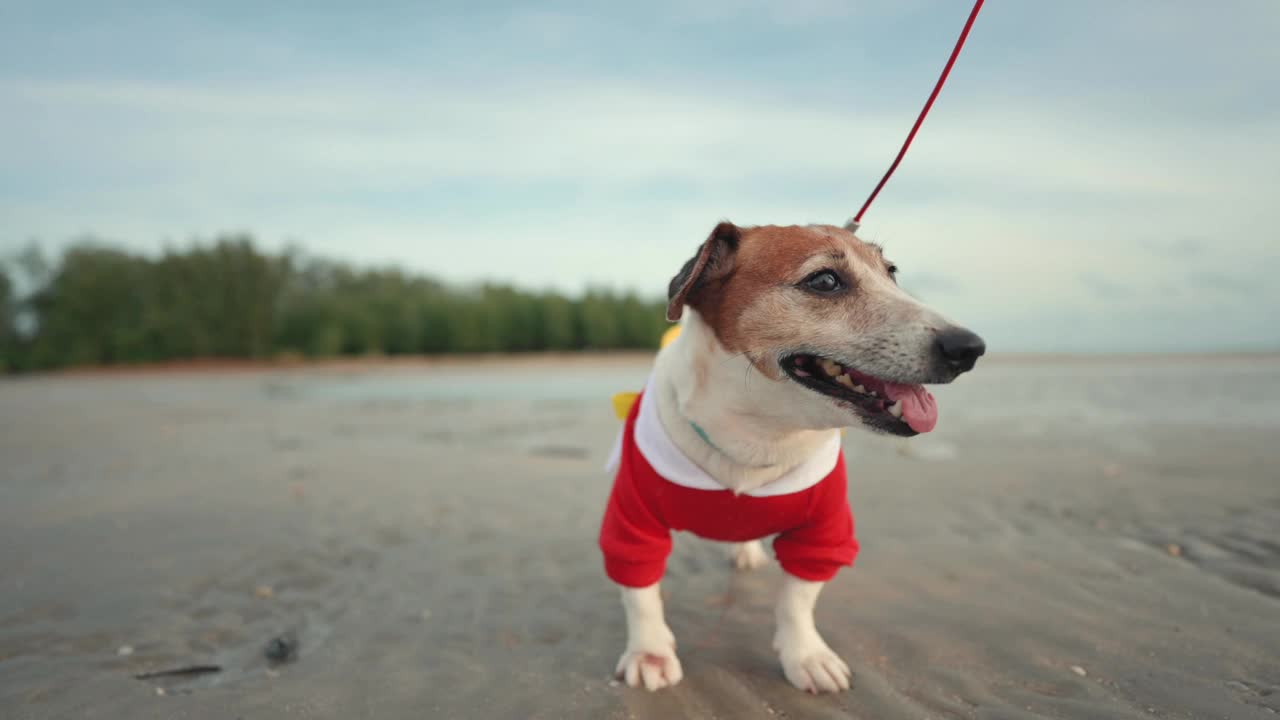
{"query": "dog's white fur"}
pixel 753 419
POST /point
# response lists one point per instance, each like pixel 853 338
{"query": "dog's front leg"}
pixel 807 661
pixel 650 658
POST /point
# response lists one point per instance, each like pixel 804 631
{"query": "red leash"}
pixel 857 219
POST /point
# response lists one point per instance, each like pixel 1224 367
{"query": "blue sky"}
pixel 1096 175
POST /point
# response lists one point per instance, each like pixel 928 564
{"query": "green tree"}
pixel 8 319
pixel 559 323
pixel 97 304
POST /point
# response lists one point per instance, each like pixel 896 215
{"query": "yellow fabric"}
pixel 622 403
pixel 671 334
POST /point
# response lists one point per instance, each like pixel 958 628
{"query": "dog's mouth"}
pixel 898 408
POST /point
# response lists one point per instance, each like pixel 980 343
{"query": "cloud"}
pixel 930 285
pixel 382 137
pixel 1104 287
pixel 1177 247
pixel 796 13
pixel 566 145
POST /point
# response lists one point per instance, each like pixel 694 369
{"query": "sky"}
pixel 1096 176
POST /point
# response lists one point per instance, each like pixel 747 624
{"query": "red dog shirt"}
pixel 813 523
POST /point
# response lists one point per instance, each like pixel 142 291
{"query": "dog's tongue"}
pixel 919 408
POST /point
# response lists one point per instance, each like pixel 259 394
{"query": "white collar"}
pixel 673 465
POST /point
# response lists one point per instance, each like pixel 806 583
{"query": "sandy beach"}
pixel 1091 538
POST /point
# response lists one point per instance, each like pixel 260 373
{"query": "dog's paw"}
pixel 813 667
pixel 652 665
pixel 748 555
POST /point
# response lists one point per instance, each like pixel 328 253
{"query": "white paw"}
pixel 748 555
pixel 653 665
pixel 812 666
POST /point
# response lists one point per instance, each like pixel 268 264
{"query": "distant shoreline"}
pixel 351 363
pixel 544 359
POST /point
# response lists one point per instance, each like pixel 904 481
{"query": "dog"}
pixel 789 334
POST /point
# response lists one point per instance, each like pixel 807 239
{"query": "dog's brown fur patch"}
pixel 745 289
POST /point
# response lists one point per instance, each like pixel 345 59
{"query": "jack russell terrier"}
pixel 789 334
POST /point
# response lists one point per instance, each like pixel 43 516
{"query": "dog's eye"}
pixel 892 270
pixel 825 282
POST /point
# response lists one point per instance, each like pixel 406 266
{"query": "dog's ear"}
pixel 713 262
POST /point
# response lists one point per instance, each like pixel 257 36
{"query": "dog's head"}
pixel 820 310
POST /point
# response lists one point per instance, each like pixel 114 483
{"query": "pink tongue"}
pixel 919 408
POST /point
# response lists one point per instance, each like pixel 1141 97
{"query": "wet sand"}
pixel 1096 539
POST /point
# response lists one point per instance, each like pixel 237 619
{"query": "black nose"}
pixel 960 348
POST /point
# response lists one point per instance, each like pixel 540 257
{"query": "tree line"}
pixel 99 305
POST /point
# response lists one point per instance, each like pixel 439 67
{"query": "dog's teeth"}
pixel 846 381
pixel 859 388
pixel 896 409
pixel 830 367
pixel 872 393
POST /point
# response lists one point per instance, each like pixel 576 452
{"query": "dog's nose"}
pixel 960 348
